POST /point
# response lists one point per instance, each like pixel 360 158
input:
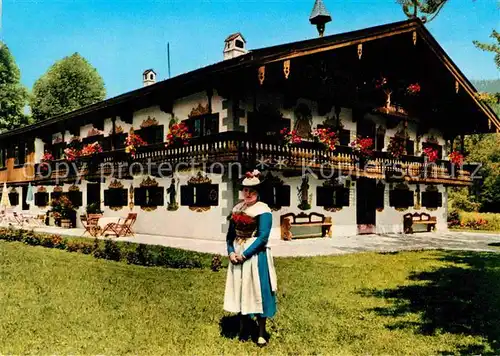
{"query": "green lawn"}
pixel 431 302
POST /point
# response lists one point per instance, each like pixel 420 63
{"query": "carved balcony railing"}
pixel 238 147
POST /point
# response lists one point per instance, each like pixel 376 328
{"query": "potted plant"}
pixel 45 162
pixel 290 137
pixel 55 211
pixel 93 208
pixel 326 137
pixel 396 147
pixel 132 142
pixel 363 149
pixel 68 213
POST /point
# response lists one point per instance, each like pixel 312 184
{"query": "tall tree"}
pixel 422 8
pixel 69 84
pixel 495 47
pixel 13 96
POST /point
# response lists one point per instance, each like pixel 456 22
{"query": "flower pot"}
pixel 66 223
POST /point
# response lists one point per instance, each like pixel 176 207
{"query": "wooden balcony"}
pixel 237 147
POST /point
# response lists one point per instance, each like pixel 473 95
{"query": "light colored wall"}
pixel 391 221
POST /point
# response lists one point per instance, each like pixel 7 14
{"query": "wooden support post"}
pixel 113 132
pixel 462 143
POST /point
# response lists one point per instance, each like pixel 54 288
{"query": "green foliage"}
pixel 495 47
pixel 475 221
pixel 459 199
pixel 422 8
pixel 485 149
pixel 68 85
pixel 93 208
pixel 13 96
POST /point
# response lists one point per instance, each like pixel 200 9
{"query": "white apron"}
pixel 243 294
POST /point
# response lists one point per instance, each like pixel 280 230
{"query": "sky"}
pixel 122 38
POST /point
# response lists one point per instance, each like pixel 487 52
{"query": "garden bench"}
pixel 418 219
pixel 314 224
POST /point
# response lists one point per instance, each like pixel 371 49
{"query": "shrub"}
pixel 477 221
pixel 111 251
pixel 169 257
pixel 140 256
pixel 31 239
pixel 53 241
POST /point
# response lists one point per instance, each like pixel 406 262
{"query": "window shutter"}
pixel 344 137
pixel 41 199
pixel 122 197
pixel 159 134
pixel 14 199
pixel 187 195
pixel 202 195
pixel 157 196
pixel 266 194
pixel 341 197
pixel 425 199
pixel 410 201
pixel 439 200
pixel 213 194
pixel 107 197
pixel 325 196
pixel 283 195
pixel 76 198
pixel 140 196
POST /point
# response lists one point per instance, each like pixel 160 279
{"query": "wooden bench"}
pixel 292 221
pixel 418 219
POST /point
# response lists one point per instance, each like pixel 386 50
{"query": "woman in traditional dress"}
pixel 251 277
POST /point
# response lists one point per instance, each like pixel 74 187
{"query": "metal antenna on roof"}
pixel 168 59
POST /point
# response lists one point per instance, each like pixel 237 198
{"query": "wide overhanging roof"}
pixel 272 54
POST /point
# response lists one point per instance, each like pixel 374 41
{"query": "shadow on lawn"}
pixel 461 298
pixel 230 328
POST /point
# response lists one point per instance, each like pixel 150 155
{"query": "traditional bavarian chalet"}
pixel 392 83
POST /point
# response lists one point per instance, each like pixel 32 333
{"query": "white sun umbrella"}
pixel 29 194
pixel 5 202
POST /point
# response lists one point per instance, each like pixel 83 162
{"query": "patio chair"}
pixel 18 219
pixel 90 224
pixel 122 229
